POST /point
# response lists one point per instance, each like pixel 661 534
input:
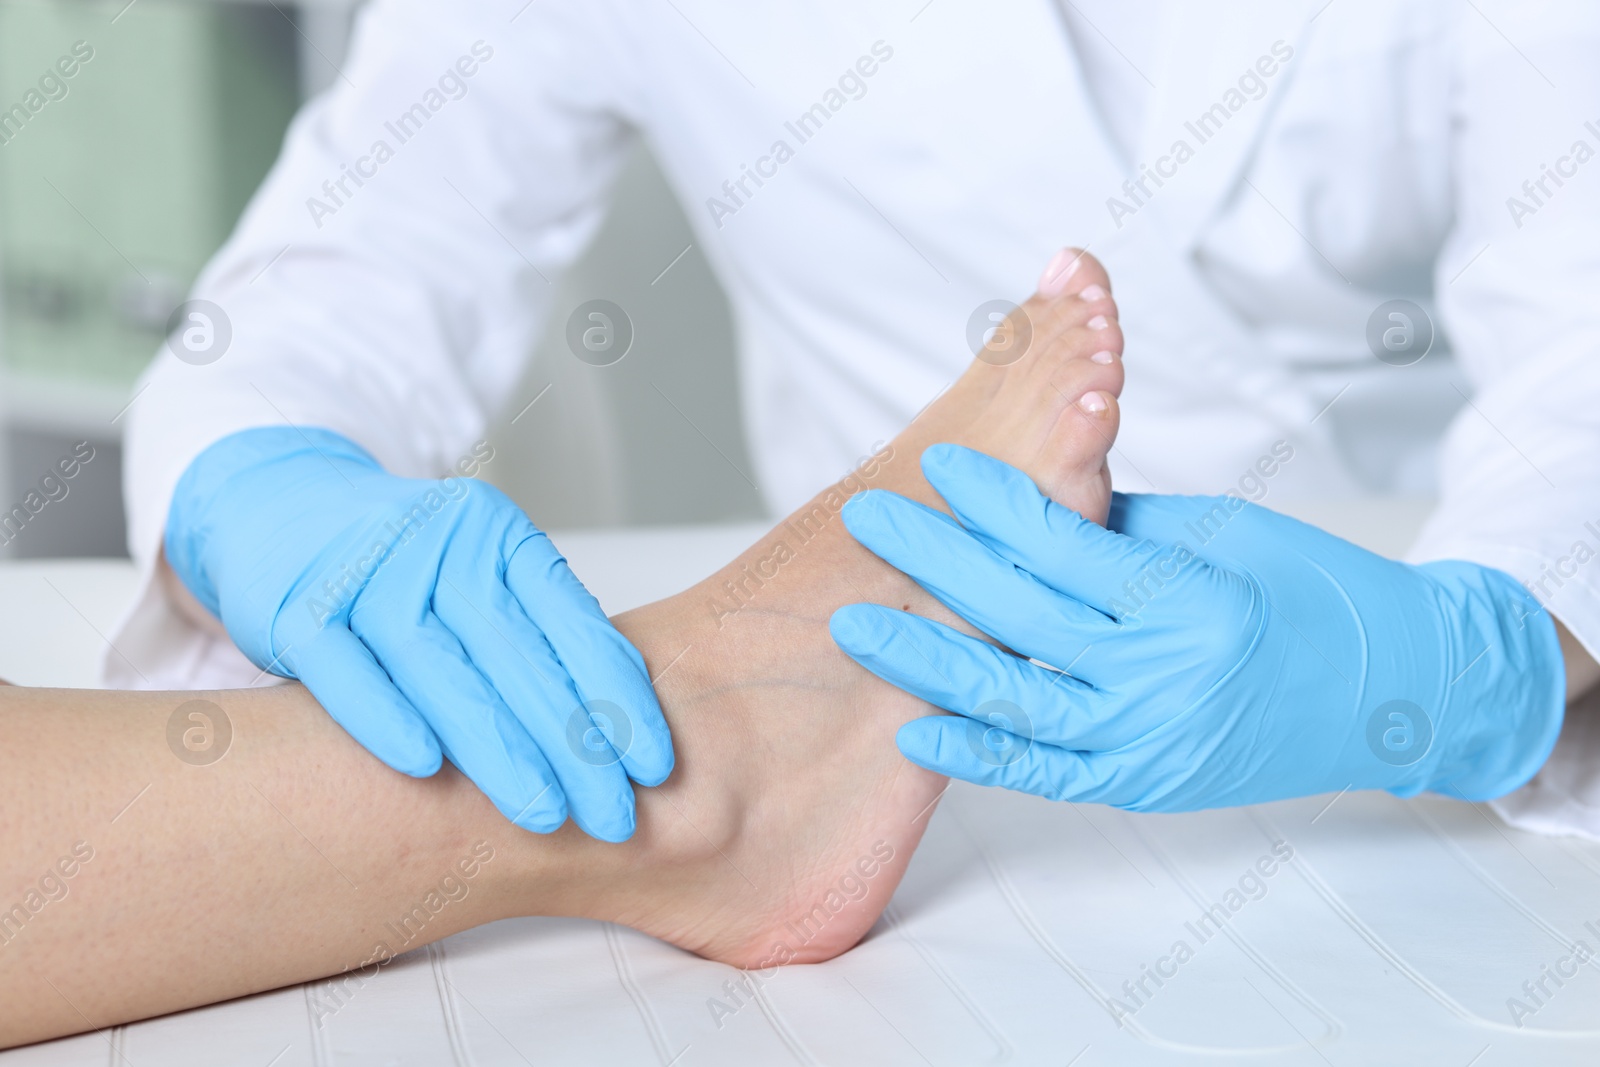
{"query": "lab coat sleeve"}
pixel 1518 295
pixel 389 278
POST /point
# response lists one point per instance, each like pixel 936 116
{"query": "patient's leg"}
pixel 133 883
pixel 297 855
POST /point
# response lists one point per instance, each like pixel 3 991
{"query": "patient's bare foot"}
pixel 791 815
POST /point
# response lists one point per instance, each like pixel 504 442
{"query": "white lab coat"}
pixel 1376 163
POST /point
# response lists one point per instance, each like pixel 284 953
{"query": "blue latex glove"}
pixel 429 618
pixel 1219 653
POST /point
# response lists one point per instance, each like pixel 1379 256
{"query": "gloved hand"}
pixel 429 618
pixel 1216 653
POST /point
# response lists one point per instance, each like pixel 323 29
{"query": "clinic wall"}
pixel 154 130
pixel 655 438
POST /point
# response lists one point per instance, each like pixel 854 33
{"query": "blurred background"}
pixel 119 186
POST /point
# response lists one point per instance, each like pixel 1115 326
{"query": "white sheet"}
pixel 1396 933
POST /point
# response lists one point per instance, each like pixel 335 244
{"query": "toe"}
pixel 1071 468
pixel 1079 322
pixel 1069 273
pixel 1074 291
pixel 1071 291
pixel 1062 368
pixel 1089 358
pixel 1050 408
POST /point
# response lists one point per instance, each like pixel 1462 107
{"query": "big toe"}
pixel 1070 272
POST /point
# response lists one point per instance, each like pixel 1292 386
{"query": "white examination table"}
pixel 1395 934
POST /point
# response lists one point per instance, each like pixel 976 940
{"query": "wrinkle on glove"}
pixel 430 618
pixel 1202 652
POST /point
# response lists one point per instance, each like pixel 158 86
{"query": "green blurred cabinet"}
pixel 117 183
pixel 116 191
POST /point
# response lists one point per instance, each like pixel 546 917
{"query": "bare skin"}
pixel 779 838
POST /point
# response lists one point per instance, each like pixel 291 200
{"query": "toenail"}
pixel 1103 357
pixel 1060 269
pixel 1099 322
pixel 1092 402
pixel 1092 292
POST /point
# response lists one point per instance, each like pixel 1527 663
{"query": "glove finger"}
pixel 975 679
pixel 603 664
pixel 476 729
pixel 1003 508
pixel 977 583
pixel 512 654
pixel 988 755
pixel 350 685
pixel 1158 517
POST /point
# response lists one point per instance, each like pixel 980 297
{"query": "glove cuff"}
pixel 1505 697
pixel 233 479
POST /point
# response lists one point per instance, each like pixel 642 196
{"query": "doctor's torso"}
pixel 863 183
pixel 1262 180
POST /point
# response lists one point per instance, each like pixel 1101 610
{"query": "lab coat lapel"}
pixel 1208 46
pixel 1197 364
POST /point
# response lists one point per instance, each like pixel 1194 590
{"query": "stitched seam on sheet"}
pixel 1003 1047
pixel 320 1056
pixel 780 1026
pixel 630 985
pixel 1572 848
pixel 1032 927
pixel 459 1050
pixel 117 1041
pixel 1303 867
pixel 1333 1028
pixel 1493 884
pixel 1499 889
